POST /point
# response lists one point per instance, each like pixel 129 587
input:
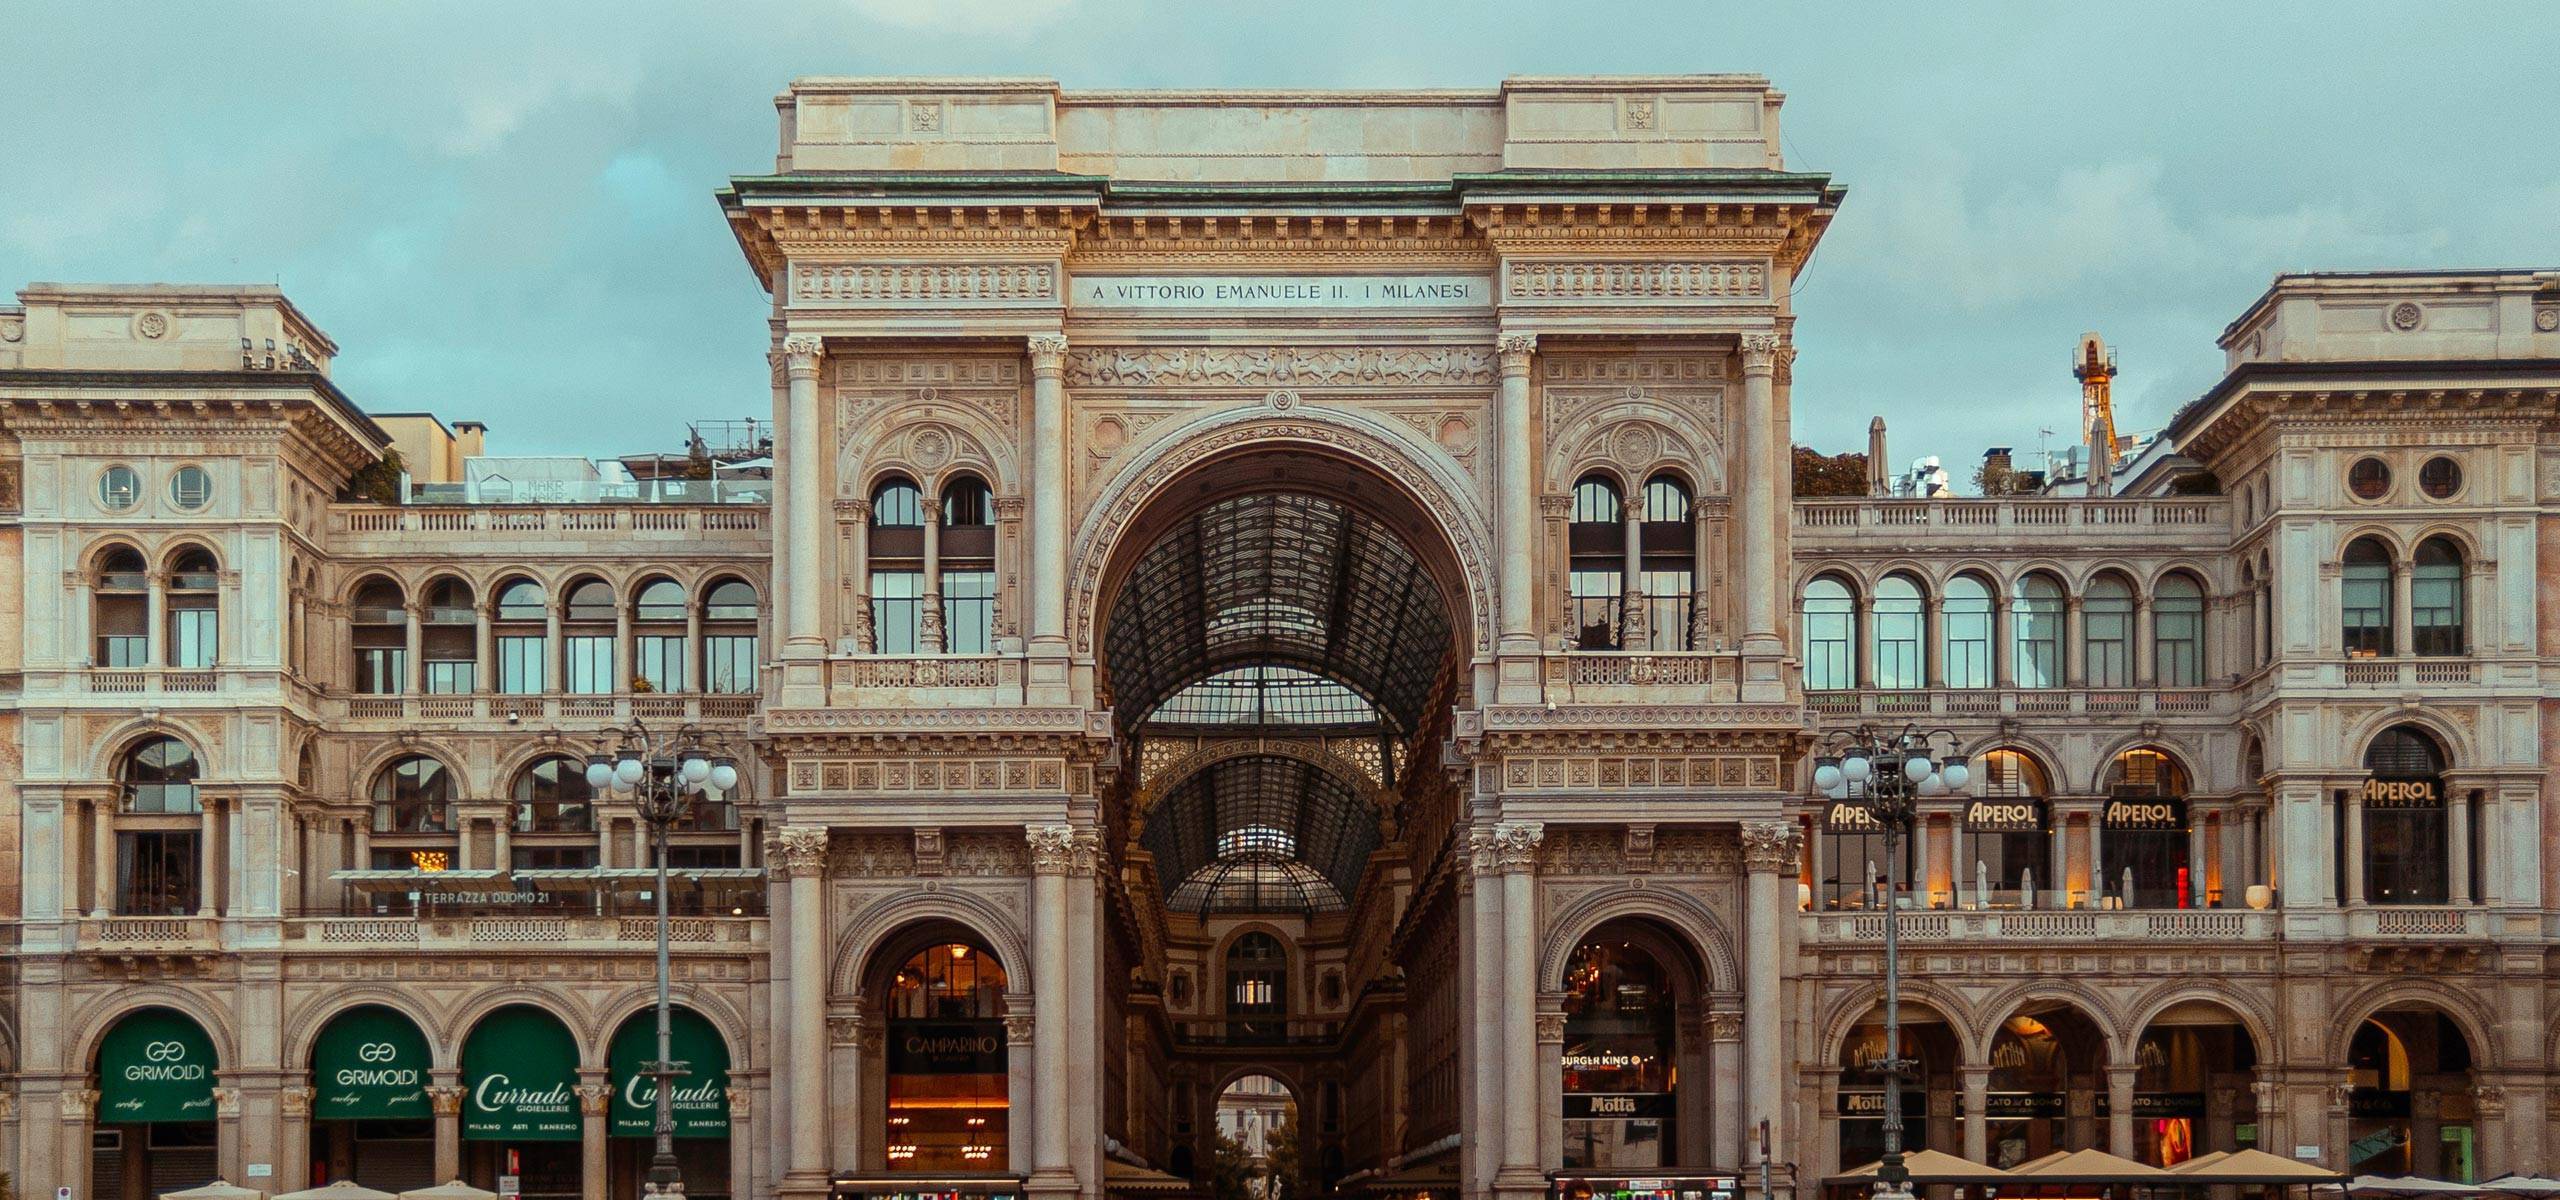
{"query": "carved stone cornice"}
pixel 802 354
pixel 1515 844
pixel 797 851
pixel 1053 848
pixel 1769 846
pixel 1262 367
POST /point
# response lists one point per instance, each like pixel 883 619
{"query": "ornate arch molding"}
pixel 1423 472
pixel 1674 908
pixel 2461 750
pixel 113 745
pixel 926 441
pixel 877 923
pixel 1210 754
pixel 564 1005
pixel 2248 1009
pixel 710 1005
pixel 2092 1004
pixel 302 1034
pixel 2477 1022
pixel 90 1024
pixel 1632 438
pixel 1853 1006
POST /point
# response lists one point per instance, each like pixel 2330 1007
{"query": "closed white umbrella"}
pixel 456 1190
pixel 344 1189
pixel 216 1190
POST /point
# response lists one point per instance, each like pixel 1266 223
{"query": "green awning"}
pixel 155 1065
pixel 370 1063
pixel 520 1079
pixel 701 1097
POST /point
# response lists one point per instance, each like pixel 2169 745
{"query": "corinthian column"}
pixel 1048 632
pixel 1515 848
pixel 800 854
pixel 1515 488
pixel 1052 849
pixel 804 469
pixel 1768 851
pixel 1764 482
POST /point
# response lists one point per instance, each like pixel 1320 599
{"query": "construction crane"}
pixel 2095 367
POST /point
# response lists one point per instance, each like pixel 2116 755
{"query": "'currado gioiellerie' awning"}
pixel 520 1079
pixel 701 1098
pixel 155 1066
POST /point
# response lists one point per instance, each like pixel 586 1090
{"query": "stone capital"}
pixel 1724 1027
pixel 593 1098
pixel 801 353
pixel 1048 354
pixel 1018 1028
pixel 1515 844
pixel 79 1104
pixel 295 1101
pixel 1759 353
pixel 798 851
pixel 1052 848
pixel 1769 846
pixel 445 1099
pixel 226 1103
pixel 1514 349
pixel 845 1029
pixel 1550 1028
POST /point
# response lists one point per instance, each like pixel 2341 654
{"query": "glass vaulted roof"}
pixel 1261 834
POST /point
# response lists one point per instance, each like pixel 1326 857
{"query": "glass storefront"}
pixel 1621 1051
pixel 948 1081
pixel 2145 833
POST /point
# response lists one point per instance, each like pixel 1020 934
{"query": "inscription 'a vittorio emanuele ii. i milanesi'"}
pixel 1295 291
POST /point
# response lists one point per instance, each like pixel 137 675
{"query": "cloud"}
pixel 1009 18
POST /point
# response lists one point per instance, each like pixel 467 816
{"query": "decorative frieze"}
pixel 1622 773
pixel 932 776
pixel 1270 366
pixel 923 283
pixel 1540 281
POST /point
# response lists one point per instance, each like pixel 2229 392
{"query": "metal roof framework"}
pixel 1261 834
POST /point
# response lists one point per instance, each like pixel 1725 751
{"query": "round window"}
pixel 2440 478
pixel 119 488
pixel 190 488
pixel 2369 479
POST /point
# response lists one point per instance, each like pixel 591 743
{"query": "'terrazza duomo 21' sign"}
pixel 1280 291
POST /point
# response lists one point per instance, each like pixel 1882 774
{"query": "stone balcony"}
pixel 358 714
pixel 480 933
pixel 362 529
pixel 2362 925
pixel 1959 703
pixel 926 680
pixel 2179 524
pixel 1643 676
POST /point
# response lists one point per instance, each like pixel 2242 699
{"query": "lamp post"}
pixel 1888 774
pixel 663 776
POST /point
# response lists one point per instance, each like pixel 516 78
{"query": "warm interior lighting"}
pixel 430 860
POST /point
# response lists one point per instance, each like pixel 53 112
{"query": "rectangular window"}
pixel 2039 648
pixel 1853 869
pixel 2404 856
pixel 2365 612
pixel 2435 613
pixel 452 678
pixel 1667 607
pixel 729 663
pixel 382 670
pixel 2110 643
pixel 2178 647
pixel 1597 592
pixel 156 874
pixel 521 664
pixel 553 858
pixel 1828 664
pixel 590 664
pixel 969 611
pixel 192 638
pixel 1898 635
pixel 1968 647
pixel 896 611
pixel 660 662
pixel 124 650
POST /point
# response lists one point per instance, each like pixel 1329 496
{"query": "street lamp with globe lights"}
pixel 664 776
pixel 1888 774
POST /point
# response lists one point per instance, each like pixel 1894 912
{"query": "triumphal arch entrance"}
pixel 1283 663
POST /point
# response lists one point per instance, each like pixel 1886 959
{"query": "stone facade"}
pixel 1524 355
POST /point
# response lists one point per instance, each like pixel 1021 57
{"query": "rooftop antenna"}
pixel 2044 433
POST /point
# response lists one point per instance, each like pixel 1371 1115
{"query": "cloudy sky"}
pixel 503 212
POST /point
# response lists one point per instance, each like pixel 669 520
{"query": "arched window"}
pixel 896 551
pixel 658 638
pixel 587 639
pixel 2177 633
pixel 2145 843
pixel 1900 623
pixel 158 776
pixel 947 1108
pixel 552 796
pixel 1968 623
pixel 1596 541
pixel 2106 623
pixel 2035 616
pixel 2407 847
pixel 729 653
pixel 522 633
pixel 2006 851
pixel 1668 550
pixel 1830 635
pixel 966 563
pixel 451 639
pixel 2436 621
pixel 378 621
pixel 195 604
pixel 1258 986
pixel 413 795
pixel 121 617
pixel 2364 608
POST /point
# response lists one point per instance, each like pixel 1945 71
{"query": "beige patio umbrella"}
pixel 2094 1166
pixel 456 1190
pixel 344 1189
pixel 216 1190
pixel 2253 1166
pixel 1931 1166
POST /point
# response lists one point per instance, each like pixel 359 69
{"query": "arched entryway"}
pixel 943 1056
pixel 520 1112
pixel 700 1102
pixel 156 1129
pixel 2195 1065
pixel 2410 1095
pixel 2048 1068
pixel 1635 1069
pixel 1930 1051
pixel 370 1119
pixel 1260 1149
